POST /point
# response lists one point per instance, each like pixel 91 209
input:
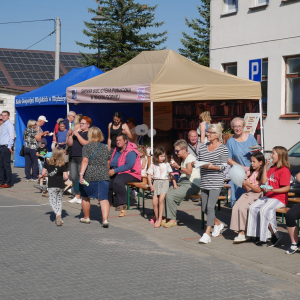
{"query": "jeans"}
pixel 5 168
pixel 41 165
pixel 31 161
pixel 75 170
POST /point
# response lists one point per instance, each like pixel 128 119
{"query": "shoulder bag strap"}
pixel 192 149
pixel 95 153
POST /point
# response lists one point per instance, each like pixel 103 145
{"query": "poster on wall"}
pixel 251 120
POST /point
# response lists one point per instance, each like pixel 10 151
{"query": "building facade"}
pixel 244 30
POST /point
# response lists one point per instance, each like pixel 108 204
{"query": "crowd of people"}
pixel 102 172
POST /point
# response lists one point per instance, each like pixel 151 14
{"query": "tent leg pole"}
pixel 262 135
pixel 151 125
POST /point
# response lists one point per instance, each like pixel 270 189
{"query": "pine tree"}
pixel 121 38
pixel 197 48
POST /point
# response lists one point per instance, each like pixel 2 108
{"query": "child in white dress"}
pixel 160 171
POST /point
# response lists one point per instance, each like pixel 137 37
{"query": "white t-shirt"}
pixel 160 171
pixel 195 176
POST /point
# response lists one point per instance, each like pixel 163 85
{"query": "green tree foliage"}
pixel 196 47
pixel 123 34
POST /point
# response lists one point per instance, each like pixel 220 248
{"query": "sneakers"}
pixel 275 239
pixel 241 238
pixel 87 221
pixel 217 230
pixel 76 200
pixel 105 224
pixel 39 187
pixel 293 248
pixel 205 239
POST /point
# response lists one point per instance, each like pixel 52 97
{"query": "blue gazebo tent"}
pixel 49 100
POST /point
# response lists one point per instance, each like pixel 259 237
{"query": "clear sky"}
pixel 72 13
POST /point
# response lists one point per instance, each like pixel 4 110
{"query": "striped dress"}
pixel 213 179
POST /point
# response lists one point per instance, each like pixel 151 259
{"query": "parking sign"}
pixel 255 69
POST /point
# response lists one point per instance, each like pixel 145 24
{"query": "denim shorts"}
pixel 96 189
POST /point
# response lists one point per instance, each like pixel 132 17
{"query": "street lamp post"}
pixel 98 20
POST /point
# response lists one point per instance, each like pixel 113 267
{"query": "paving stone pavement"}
pixel 39 260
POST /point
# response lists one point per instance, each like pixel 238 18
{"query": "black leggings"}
pixel 292 215
pixel 117 184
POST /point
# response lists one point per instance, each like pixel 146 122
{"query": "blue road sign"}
pixel 255 69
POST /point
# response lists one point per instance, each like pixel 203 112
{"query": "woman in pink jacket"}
pixel 125 166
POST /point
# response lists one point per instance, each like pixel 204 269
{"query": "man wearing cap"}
pixel 7 137
pixel 39 123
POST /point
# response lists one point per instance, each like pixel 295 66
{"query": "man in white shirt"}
pixel 193 144
pixel 7 137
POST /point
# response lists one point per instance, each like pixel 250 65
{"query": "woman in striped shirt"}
pixel 212 178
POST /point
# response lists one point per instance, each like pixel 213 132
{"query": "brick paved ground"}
pixel 130 260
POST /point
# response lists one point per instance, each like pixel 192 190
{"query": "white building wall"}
pixel 9 103
pixel 277 22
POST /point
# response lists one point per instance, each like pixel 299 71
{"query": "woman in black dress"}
pixel 116 127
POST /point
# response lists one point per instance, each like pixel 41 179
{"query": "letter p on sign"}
pixel 255 70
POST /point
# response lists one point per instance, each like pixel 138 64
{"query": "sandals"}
pixel 169 225
pixel 122 213
pixel 121 207
pixel 153 220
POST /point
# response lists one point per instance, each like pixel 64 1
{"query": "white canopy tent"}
pixel 164 76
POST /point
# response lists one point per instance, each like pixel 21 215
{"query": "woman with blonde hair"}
pixel 215 154
pixel 94 177
pixel 31 138
pixel 204 119
pixel 77 120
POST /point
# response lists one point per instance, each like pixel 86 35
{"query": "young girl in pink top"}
pixel 160 171
pixel 252 185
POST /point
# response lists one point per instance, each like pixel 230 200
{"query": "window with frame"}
pixel 264 85
pixel 230 6
pixel 230 68
pixel 292 105
pixel 261 2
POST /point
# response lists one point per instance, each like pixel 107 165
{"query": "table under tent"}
pixel 50 101
pixel 166 76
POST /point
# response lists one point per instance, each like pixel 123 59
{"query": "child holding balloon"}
pixel 262 213
pixel 252 185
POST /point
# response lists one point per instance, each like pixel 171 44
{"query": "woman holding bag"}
pixel 94 171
